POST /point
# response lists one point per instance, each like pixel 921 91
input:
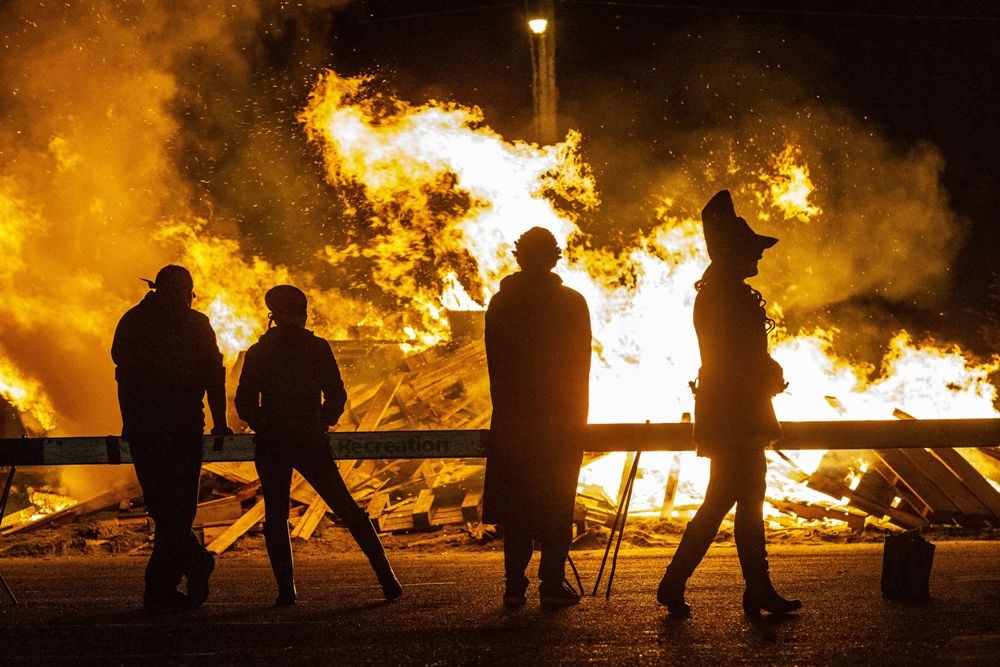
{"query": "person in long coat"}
pixel 538 348
pixel 290 392
pixel 734 418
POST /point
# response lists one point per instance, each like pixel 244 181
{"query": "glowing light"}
pixel 538 26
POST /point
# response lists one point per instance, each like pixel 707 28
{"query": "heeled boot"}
pixel 761 596
pixel 670 593
pixel 367 538
pixel 279 552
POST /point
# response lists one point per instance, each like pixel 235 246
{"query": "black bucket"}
pixel 906 567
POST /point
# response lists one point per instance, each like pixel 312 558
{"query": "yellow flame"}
pixel 26 395
pixel 788 186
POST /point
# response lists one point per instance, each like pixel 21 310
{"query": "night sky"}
pixel 629 75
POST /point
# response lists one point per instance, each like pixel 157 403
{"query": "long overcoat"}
pixel 538 346
pixel 738 378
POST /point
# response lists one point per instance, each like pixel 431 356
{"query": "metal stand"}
pixel 620 518
pixel 3 507
pixel 579 582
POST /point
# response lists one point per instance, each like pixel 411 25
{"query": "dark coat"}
pixel 290 384
pixel 738 377
pixel 538 347
pixel 166 358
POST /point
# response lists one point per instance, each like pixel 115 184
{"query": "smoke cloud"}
pixel 138 134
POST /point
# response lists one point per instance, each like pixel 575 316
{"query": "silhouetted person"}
pixel 290 393
pixel 538 352
pixel 734 419
pixel 166 360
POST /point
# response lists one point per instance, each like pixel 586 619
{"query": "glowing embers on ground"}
pixel 41 504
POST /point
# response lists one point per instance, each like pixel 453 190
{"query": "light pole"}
pixel 541 23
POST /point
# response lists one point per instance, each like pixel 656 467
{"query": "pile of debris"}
pixel 447 388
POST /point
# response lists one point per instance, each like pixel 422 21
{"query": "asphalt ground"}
pixel 85 610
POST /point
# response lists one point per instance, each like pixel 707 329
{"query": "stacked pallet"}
pixel 911 488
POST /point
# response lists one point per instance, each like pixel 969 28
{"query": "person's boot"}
pixel 557 595
pixel 515 590
pixel 670 593
pixel 364 534
pixel 761 596
pixel 279 552
pixel 197 579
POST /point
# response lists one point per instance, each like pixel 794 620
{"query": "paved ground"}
pixel 83 610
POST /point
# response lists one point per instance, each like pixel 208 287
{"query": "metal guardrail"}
pixel 930 433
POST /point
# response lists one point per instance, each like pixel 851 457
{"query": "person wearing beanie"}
pixel 290 392
pixel 166 361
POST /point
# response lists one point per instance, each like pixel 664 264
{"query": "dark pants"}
pixel 310 455
pixel 517 545
pixel 737 477
pixel 542 511
pixel 169 468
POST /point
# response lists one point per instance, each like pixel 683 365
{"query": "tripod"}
pixel 3 507
pixel 621 516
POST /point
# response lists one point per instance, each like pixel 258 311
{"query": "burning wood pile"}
pixel 446 387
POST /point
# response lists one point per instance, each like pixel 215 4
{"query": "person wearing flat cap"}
pixel 167 361
pixel 290 392
pixel 538 343
pixel 734 419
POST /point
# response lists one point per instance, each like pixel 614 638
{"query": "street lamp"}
pixel 543 71
pixel 538 26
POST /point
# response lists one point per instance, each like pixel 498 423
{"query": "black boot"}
pixel 279 552
pixel 670 593
pixel 364 534
pixel 762 597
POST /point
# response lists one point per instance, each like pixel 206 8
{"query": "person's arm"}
pixel 215 384
pixel 334 394
pixel 248 392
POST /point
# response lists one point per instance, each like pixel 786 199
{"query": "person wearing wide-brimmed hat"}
pixel 734 418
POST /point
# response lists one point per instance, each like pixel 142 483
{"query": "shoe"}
pixel 198 579
pixel 391 588
pixel 561 596
pixel 172 600
pixel 671 594
pixel 513 597
pixel 286 597
pixel 757 599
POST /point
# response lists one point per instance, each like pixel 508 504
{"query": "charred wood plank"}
pixel 422 509
pixel 380 403
pixel 971 477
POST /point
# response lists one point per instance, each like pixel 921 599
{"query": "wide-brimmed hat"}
pixel 727 235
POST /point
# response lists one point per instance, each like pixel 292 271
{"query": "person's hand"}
pixel 220 431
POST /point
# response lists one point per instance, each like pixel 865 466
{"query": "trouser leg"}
pixel 701 530
pixel 557 533
pixel 555 551
pixel 517 544
pixel 169 470
pixel 749 520
pixel 320 470
pixel 275 473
